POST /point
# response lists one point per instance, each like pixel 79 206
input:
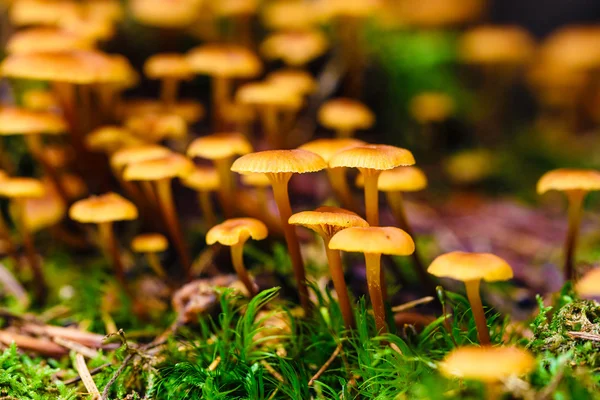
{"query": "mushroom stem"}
pixel 575 198
pixel 339 283
pixel 167 205
pixel 271 126
pixel 344 133
pixel 371 195
pixel 226 185
pixel 168 92
pixel 220 94
pixel 207 208
pixel 339 184
pixel 155 264
pixel 109 242
pixel 396 203
pixel 149 193
pixel 34 143
pixel 373 264
pixel 478 313
pixel 280 194
pixel 237 258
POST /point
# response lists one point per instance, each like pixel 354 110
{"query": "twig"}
pixel 78 347
pixel 323 368
pixel 411 304
pixel 272 371
pixel 86 377
pixel 92 372
pixel 584 335
pixel 12 286
pixel 116 375
pixel 213 365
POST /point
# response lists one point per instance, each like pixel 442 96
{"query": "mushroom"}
pixel 240 15
pixel 326 222
pixel 589 284
pixel 496 46
pixel 150 244
pixel 234 233
pixel 171 68
pixel 575 183
pixel 160 171
pixel 370 161
pixel 157 127
pixel 294 48
pixel 345 116
pixel 46 39
pixel 295 80
pixel 39 100
pixel 104 210
pixel 373 242
pixel 221 148
pixel 109 139
pixel 279 166
pixel 41 212
pixel 327 148
pixel 471 268
pixel 489 365
pixel 204 180
pixel 165 14
pixel 295 15
pixel 18 190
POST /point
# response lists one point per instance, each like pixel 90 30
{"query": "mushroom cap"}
pixel 470 166
pixel 89 26
pixel 487 364
pixel 372 156
pixel 439 13
pixel 202 179
pixel 327 221
pixel 219 146
pixel 279 161
pixel 22 188
pixel 573 47
pixel 136 154
pixel 294 47
pixel 227 61
pixel 42 212
pixel 257 180
pixel 157 127
pixel 589 284
pixel 44 39
pixel 295 80
pixel 108 207
pixel 401 179
pixel 236 230
pixel 429 107
pixel 39 100
pixel 268 94
pixel 564 179
pixel 346 8
pixel 289 15
pixel 327 148
pixel 170 166
pixel 111 138
pixel 19 121
pixel 166 13
pixel 496 45
pixel 345 114
pixel 190 110
pixel 464 266
pixel 232 8
pixel 373 239
pixel 168 65
pixel 40 12
pixel 149 243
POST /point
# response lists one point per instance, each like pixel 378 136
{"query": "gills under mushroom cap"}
pixel 327 221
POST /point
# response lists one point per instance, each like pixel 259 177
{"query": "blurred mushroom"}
pixel 170 68
pixel 149 244
pixel 345 116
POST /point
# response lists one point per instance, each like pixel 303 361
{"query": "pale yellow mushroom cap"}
pixel 90 26
pixel 589 284
pixel 496 45
pixel 191 111
pixel 573 47
pixel 295 80
pixel 372 156
pixel 39 100
pixel 346 8
pixel 279 161
pixel 111 138
pixel 236 230
pixel 289 15
pixel 22 188
pixel 487 364
pixel 431 107
pixel 34 40
pixel 40 213
pixel 294 47
pixel 564 179
pixel 327 221
pixel 374 239
pixel 111 10
pixel 149 243
pixel 219 146
pixel 18 121
pixel 401 179
pixel 327 148
pixel 108 207
pixel 227 61
pixel 470 166
pixel 232 8
pixel 170 166
pixel 203 179
pixel 40 12
pixel 345 114
pixel 464 266
pixel 157 127
pixel 168 65
pixel 135 154
pixel 166 13
pixel 267 94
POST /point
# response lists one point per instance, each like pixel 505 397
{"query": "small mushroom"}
pixel 589 284
pixel 471 268
pixel 204 180
pixel 150 244
pixel 45 39
pixel 109 139
pixel 295 15
pixel 171 68
pixel 295 80
pixel 373 242
pixel 345 116
pixel 234 233
pixel 294 48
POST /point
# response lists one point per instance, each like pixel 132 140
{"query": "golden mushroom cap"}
pixel 296 80
pixel 373 239
pixel 565 179
pixel 257 180
pixel 136 154
pixel 372 156
pixel 327 221
pixel 111 138
pixel 496 45
pixel 345 114
pixel 279 161
pixel 573 47
pixel 42 212
pixel 327 148
pixel 267 94
pixel 111 10
pixel 431 107
pixel 346 8
pixel 39 100
pixel 229 61
pixel 22 188
pixel 157 127
pixel 236 230
pixel 202 179
pixel 289 15
pixel 464 266
pixel 219 146
pixel 19 121
pixel 170 166
pixel 108 207
pixel 589 284
pixel 166 13
pixel 232 8
pixel 190 110
pixel 89 26
pixel 149 243
pixel 401 179
pixel 168 65
pixel 40 12
pixel 294 48
pixel 45 39
pixel 487 364
pixel 470 166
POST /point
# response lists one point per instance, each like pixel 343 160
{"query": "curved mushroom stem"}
pixel 270 124
pixel 207 208
pixel 371 195
pixel 109 242
pixel 575 198
pixel 167 205
pixel 339 184
pixel 41 288
pixel 34 143
pixel 339 283
pixel 155 264
pixel 168 92
pixel 373 264
pixel 478 313
pixel 220 97
pixel 237 258
pixel 396 204
pixel 280 193
pixel 344 133
pixel 226 185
